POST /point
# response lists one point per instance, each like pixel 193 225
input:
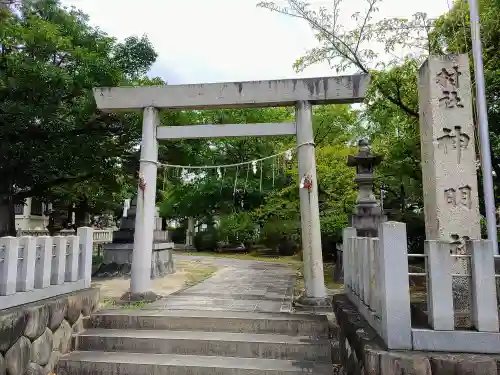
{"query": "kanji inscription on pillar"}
pixel 448 80
pixel 461 197
pixel 451 203
pixel 455 141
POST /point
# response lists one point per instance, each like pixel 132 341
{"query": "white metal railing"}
pixel 36 268
pixel 376 280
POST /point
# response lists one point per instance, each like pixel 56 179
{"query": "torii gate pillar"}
pixel 315 293
pixel 140 281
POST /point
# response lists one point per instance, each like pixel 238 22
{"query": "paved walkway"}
pixel 238 285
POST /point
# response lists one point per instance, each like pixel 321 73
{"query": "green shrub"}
pixel 281 235
pixel 206 240
pixel 178 234
pixel 237 228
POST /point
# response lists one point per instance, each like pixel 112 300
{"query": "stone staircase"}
pixel 147 342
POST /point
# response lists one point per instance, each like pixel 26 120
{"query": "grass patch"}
pixel 188 273
pixel 135 305
pixel 112 303
pixel 327 274
pixel 197 275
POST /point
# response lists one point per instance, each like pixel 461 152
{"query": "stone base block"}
pixel 118 260
pixel 313 301
pixel 363 352
pixel 139 297
pixel 34 336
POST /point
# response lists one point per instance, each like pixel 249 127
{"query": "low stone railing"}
pixel 103 235
pixel 99 235
pixel 32 232
pixel 36 268
pixel 161 236
pixel 376 281
pixel 368 262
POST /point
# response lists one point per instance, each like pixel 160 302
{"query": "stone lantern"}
pixel 367 214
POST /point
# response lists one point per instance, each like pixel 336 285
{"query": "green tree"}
pixel 390 115
pixel 347 49
pixel 336 190
pixel 51 133
pixel 237 188
pixel 237 195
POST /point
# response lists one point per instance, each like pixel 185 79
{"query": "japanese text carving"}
pixel 458 141
pixel 465 197
pixel 450 195
pixel 459 244
pixel 448 80
pixel 461 199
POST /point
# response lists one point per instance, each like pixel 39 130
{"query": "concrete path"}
pixel 238 285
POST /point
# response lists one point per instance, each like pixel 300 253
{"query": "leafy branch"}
pixel 346 49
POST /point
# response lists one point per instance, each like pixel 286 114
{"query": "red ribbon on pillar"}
pixel 142 183
pixel 306 182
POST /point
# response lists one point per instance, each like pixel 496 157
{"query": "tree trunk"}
pixel 402 199
pixel 69 218
pixel 82 214
pixel 52 227
pixel 7 218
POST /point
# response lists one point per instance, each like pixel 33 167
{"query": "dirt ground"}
pixel 187 273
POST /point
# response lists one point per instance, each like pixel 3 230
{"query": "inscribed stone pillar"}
pixel 451 203
pixel 190 234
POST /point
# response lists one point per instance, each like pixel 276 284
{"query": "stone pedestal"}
pixel 118 255
pixel 451 203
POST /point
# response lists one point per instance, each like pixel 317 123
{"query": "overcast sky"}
pixel 226 40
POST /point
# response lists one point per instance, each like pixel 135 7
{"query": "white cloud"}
pixel 225 40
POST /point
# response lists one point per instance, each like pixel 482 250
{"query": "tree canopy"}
pixel 54 141
pixel 390 114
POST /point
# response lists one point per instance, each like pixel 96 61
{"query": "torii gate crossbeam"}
pixel 301 93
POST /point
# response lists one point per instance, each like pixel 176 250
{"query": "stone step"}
pixel 212 321
pixel 224 344
pixel 111 363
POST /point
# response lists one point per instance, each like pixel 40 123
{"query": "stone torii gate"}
pixel 301 93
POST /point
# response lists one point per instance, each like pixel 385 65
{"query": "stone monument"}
pixel 451 203
pixel 367 214
pixel 190 233
pixel 118 254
